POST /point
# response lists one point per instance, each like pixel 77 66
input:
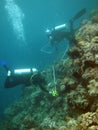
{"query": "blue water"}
pixel 18 52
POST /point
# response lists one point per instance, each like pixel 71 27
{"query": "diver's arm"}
pixel 39 80
pixel 43 88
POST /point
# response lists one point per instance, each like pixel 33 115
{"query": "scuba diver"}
pixel 59 33
pixel 24 77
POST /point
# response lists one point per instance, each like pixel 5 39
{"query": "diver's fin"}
pixel 6 67
pixel 79 14
pixel 3 63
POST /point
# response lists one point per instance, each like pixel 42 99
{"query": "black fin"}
pixel 6 67
pixel 79 14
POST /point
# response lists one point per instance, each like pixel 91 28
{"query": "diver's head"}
pixel 48 32
pixel 54 32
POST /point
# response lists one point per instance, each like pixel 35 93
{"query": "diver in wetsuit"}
pixel 59 33
pixel 24 77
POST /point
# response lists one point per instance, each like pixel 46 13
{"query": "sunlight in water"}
pixel 16 17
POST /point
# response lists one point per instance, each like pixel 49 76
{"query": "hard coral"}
pixel 94 16
pixel 90 73
pixel 87 32
pixel 74 52
pixel 93 87
pixel 71 125
pixel 77 99
pixel 88 121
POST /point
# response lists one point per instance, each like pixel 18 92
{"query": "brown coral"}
pixel 94 16
pixel 88 121
pixel 77 99
pixel 93 87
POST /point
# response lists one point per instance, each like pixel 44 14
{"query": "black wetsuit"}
pixel 25 79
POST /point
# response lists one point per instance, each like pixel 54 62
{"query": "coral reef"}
pixel 75 107
pixel 87 121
